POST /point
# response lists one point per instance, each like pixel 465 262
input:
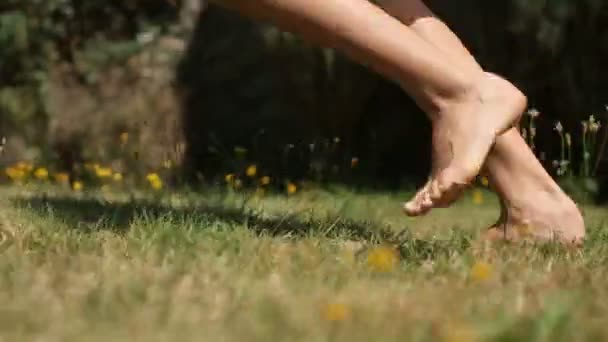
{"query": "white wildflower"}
pixel 558 127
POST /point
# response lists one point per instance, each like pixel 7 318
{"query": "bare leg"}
pixel 467 109
pixel 532 203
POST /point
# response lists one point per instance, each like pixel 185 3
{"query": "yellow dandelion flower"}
pixel 41 174
pixel 382 259
pixel 252 170
pixel 265 180
pixel 103 172
pixel 77 186
pixel 26 167
pixel 337 312
pixel 229 178
pixel 15 174
pixel 152 177
pixel 481 271
pixel 291 188
pixel 354 162
pixel 117 177
pixel 124 138
pixel 11 172
pixel 61 177
pixel 477 197
pixel 155 181
pixel 485 181
pixel 157 184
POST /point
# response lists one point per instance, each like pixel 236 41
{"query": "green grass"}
pixel 220 267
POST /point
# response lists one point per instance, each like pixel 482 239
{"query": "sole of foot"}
pixel 462 139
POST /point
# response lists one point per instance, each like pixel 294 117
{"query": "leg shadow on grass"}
pixel 90 214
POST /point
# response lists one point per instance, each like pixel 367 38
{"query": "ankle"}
pixel 468 92
pixel 532 193
pixel 443 102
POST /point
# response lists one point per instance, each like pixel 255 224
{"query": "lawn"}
pixel 316 266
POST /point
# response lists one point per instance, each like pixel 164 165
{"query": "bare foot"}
pixel 539 217
pixel 463 135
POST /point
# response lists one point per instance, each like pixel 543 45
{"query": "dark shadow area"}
pixel 602 196
pixel 249 84
pixel 89 215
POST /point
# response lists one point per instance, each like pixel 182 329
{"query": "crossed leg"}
pixel 467 109
pixel 532 203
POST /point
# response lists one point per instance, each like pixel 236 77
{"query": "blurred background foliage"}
pixel 200 92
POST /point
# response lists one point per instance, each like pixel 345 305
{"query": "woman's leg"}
pixel 528 194
pixel 467 109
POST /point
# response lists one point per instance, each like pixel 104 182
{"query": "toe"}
pixel 441 196
pixel 426 199
pixel 419 204
pixel 411 208
pixel 435 192
pixel 440 192
pixel 426 203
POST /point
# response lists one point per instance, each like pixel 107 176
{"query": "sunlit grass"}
pixel 313 266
